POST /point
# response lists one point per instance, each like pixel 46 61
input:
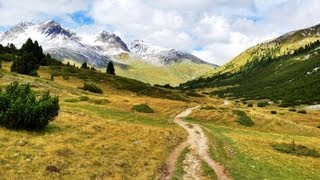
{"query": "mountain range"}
pixel 132 60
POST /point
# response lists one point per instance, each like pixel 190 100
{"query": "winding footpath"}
pixel 199 149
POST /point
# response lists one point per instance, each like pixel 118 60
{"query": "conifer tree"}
pixel 26 64
pixel 84 66
pixel 110 68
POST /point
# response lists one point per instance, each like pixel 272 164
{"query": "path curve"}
pixel 198 143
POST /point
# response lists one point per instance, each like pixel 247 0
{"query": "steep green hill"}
pixel 172 74
pixel 286 69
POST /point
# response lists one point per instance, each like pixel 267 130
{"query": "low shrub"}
pixel 71 100
pixel 298 150
pixel 302 111
pixel 292 110
pixel 99 101
pixel 262 104
pixel 142 108
pixel 20 109
pixel 318 126
pixel 65 77
pixel 84 98
pixel 243 118
pixel 208 107
pixel 250 105
pixel 168 86
pixel 273 112
pixel 92 88
pixel 194 94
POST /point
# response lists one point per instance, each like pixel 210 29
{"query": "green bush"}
pixel 92 88
pixel 208 107
pixel 7 57
pixel 298 150
pixel 194 94
pixel 243 118
pixel 71 100
pixel 20 109
pixel 250 105
pixel 26 64
pixel 262 104
pixel 302 111
pixel 99 101
pixel 273 112
pixel 65 77
pixel 142 108
pixel 318 126
pixel 84 98
pixel 292 110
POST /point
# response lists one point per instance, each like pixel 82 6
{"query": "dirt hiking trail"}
pixel 197 142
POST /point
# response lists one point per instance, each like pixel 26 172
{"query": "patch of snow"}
pixel 314 70
pixel 306 57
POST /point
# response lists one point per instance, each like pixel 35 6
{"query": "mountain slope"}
pixel 282 45
pixel 172 74
pixel 271 70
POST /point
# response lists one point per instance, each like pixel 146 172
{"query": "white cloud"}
pixel 221 29
pixel 213 29
pixel 13 12
pixel 179 40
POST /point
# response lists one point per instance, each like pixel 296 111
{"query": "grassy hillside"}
pixel 101 136
pixel 280 46
pixel 247 152
pixel 270 71
pixel 95 135
pixel 173 74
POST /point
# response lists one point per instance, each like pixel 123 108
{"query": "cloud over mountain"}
pixel 215 30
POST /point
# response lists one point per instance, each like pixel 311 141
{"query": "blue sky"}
pixel 82 18
pixel 214 30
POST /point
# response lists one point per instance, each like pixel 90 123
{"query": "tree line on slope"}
pixel 30 56
pixel 268 77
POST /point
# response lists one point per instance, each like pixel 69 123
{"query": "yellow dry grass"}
pixel 89 140
pixel 247 151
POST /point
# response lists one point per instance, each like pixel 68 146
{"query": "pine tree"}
pixel 110 68
pixel 84 66
pixel 93 69
pixel 26 64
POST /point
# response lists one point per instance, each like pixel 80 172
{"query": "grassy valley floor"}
pixel 99 136
pixel 247 152
pixel 94 136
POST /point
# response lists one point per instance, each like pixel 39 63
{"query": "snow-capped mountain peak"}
pixel 96 50
pixel 110 44
pixel 140 47
pixel 160 56
pixel 55 40
pixel 52 28
pixel 15 30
